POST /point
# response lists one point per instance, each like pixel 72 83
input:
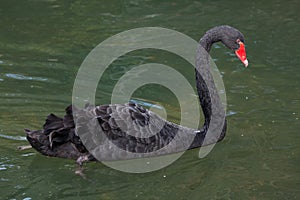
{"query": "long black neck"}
pixel 210 37
pixel 207 92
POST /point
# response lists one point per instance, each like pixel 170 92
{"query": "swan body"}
pixel 126 125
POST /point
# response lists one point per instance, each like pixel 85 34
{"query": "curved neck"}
pixel 204 80
pixel 210 37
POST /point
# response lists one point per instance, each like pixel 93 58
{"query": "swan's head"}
pixel 234 40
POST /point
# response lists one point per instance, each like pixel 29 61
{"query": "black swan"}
pixel 59 139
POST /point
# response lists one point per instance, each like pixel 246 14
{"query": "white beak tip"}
pixel 246 63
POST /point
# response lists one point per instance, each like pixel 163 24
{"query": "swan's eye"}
pixel 240 40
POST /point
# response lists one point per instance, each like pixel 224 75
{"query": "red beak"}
pixel 241 54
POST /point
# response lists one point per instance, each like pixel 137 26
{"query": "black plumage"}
pixel 131 127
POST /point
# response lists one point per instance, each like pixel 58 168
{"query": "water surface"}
pixel 43 43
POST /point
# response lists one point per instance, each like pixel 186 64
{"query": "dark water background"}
pixel 43 43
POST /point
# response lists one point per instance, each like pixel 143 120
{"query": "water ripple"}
pixel 147 104
pixel 230 113
pixel 23 77
pixel 20 138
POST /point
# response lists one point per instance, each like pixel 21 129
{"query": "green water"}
pixel 43 43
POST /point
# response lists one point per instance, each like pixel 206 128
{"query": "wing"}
pixel 128 126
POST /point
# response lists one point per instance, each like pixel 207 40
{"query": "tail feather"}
pixel 58 138
pixel 68 120
pixel 52 123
